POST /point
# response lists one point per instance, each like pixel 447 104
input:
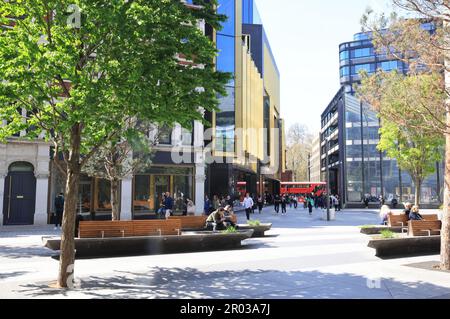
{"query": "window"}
pixel 165 135
pixel 21 167
pixel 359 67
pixel 344 55
pixel 389 65
pixel 345 71
pixel 187 136
pixel 365 52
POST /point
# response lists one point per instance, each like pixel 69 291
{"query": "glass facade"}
pixel 151 184
pixel 369 172
pixel 225 118
pixel 250 13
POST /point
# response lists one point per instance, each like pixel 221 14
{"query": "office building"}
pixel 248 132
pixel 356 168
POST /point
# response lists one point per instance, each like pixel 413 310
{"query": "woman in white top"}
pixel 190 207
pixel 385 211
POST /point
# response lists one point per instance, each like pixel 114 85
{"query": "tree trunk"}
pixel 445 233
pixel 418 184
pixel 67 257
pixel 115 199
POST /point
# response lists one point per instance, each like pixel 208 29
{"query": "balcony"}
pixel 332 122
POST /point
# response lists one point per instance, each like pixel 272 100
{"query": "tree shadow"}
pixel 191 283
pixel 14 252
pixel 12 274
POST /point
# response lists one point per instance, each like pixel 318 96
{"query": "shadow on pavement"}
pixel 170 283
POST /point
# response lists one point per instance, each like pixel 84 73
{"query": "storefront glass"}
pixel 151 185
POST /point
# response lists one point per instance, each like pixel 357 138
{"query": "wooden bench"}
pixel 397 220
pixel 432 217
pixel 111 229
pixel 402 220
pixel 105 229
pixel 190 222
pixel 424 227
pixel 156 227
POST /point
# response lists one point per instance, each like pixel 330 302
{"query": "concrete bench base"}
pixel 376 230
pixel 153 245
pixel 258 231
pixel 409 246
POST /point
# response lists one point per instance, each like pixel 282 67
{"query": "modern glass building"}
pixel 360 54
pixel 357 169
pixel 246 158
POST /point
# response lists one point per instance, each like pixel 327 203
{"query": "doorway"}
pixel 20 195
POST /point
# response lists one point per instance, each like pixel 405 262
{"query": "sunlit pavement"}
pixel 302 257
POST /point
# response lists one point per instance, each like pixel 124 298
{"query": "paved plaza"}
pixel 303 257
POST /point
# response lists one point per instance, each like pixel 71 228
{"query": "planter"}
pixel 258 231
pixel 153 245
pixel 408 246
pixel 376 230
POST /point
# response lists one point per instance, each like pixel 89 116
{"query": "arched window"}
pixel 21 167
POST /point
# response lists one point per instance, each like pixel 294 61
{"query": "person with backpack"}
pixel 310 204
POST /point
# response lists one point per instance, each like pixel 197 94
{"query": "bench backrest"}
pixel 424 227
pixel 397 220
pixel 156 227
pixel 190 222
pixel 432 217
pixel 108 229
pixel 100 229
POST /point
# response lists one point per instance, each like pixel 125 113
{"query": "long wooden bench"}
pixel 111 229
pixel 424 227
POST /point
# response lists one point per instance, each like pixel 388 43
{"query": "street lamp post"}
pixel 327 177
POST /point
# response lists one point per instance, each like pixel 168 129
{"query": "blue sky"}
pixel 305 37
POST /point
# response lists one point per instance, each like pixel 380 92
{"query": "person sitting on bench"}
pixel 228 213
pixel 415 215
pixel 216 219
pixel 384 214
pixel 407 211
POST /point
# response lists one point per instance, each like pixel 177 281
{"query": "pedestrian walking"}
pixel 248 205
pixel 59 210
pixel 284 201
pixel 260 204
pixel 310 205
pixel 277 202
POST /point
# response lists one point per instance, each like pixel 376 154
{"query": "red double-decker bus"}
pixel 302 188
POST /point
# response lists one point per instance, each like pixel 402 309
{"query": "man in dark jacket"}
pixel 407 211
pixel 59 210
pixel 168 205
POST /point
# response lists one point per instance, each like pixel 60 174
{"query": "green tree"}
pixel 78 74
pixel 405 135
pixel 416 153
pixel 407 41
pixel 120 157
